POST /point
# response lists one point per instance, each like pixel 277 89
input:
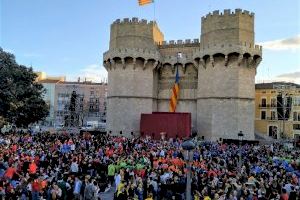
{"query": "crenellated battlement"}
pixel 227 12
pixel 177 43
pixel 241 44
pixel 132 52
pixel 240 48
pixel 133 20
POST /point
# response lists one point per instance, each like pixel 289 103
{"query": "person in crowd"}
pixel 84 166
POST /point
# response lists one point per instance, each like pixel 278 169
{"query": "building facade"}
pixel 277 109
pixel 49 83
pixel 217 74
pixel 89 104
pixel 49 98
pixel 77 103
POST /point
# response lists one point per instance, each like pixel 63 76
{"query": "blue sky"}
pixel 68 37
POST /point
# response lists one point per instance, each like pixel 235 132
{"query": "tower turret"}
pixel 134 33
pixel 227 27
pixel 130 62
pixel 227 62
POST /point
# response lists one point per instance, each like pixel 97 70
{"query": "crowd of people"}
pixel 84 166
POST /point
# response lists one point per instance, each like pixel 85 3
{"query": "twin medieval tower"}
pixel 217 74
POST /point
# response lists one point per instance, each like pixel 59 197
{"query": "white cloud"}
pixel 293 77
pixel 292 43
pixel 94 73
pixel 290 77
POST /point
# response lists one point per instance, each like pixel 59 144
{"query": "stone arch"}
pixel 256 58
pixel 219 57
pixel 117 60
pixel 149 63
pixel 246 55
pixel 166 70
pixel 106 64
pixel 151 60
pixel 246 59
pixel 128 60
pixel 179 64
pixel 140 61
pixel 191 70
pixel 197 60
pixel 206 59
pixel 233 57
pixel 166 64
pixel 189 64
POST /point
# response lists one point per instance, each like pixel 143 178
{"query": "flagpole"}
pixel 154 19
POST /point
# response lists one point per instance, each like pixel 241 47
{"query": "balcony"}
pixel 267 106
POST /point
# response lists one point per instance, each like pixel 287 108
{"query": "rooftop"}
pixel 272 84
pixel 81 83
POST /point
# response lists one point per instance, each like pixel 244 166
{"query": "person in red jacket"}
pixel 32 168
pixel 10 172
pixel 36 189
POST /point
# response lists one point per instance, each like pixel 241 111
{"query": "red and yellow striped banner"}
pixel 175 93
pixel 174 97
pixel 144 2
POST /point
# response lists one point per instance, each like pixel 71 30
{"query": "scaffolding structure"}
pixel 79 107
pixel 284 92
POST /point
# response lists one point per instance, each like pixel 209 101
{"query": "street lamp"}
pixel 188 146
pixel 240 136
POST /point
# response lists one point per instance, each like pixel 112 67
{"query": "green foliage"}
pixel 21 98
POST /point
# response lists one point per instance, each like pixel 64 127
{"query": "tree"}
pixel 21 97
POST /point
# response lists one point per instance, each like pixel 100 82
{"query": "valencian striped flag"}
pixel 175 90
pixel 144 2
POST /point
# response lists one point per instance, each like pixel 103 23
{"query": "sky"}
pixel 69 37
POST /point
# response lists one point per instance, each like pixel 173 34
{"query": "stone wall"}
pixel 130 93
pixel 224 118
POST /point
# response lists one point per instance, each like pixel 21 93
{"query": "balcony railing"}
pixel 267 106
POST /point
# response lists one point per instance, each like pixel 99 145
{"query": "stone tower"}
pixel 130 62
pixel 216 74
pixel 227 61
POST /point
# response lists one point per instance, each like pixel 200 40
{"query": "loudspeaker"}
pixel 202 137
pixel 131 133
pixel 280 107
pixel 120 132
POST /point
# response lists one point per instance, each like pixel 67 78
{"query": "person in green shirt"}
pixel 111 173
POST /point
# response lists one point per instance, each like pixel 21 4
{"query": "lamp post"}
pixel 240 136
pixel 188 146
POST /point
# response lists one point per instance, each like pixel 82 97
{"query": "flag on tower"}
pixel 145 2
pixel 175 90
